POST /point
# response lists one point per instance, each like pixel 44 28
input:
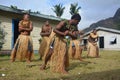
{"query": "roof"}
pixel 20 11
pixel 103 29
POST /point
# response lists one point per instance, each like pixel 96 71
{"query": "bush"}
pixel 2 37
pixel 40 40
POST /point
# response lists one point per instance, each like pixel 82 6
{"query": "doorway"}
pixel 101 42
pixel 15 31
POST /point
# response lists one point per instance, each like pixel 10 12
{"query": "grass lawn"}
pixel 107 67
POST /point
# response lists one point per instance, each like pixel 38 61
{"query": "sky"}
pixel 91 10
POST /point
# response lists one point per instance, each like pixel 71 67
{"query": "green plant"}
pixel 74 8
pixel 58 9
pixel 40 40
pixel 2 37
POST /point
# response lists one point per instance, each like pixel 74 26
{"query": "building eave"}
pixel 104 29
pixel 20 11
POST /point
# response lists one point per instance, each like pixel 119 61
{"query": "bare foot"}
pixel 28 61
pixel 81 59
pixel 12 60
pixel 64 72
pixel 42 67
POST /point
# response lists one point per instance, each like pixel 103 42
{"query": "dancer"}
pixel 93 50
pixel 23 48
pixel 59 59
pixel 45 33
pixel 75 49
pixel 49 50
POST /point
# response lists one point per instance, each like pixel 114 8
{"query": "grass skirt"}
pixel 78 50
pixel 43 46
pixel 22 47
pixel 92 49
pixel 59 59
pixel 49 41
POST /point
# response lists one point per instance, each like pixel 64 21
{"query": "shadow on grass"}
pixel 37 60
pixel 78 64
pixel 105 75
pixel 4 60
pixel 85 57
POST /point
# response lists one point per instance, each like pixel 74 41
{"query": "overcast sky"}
pixel 91 10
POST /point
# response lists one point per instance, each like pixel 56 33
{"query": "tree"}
pixel 58 9
pixel 74 8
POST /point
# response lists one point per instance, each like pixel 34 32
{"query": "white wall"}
pixel 6 23
pixel 35 34
pixel 107 38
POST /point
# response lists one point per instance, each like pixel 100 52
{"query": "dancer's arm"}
pixel 25 29
pixel 93 35
pixel 58 27
pixel 43 33
pixel 30 28
pixel 73 34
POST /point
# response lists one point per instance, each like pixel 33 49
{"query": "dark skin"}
pixel 25 31
pixel 95 32
pixel 94 42
pixel 57 31
pixel 47 58
pixel 73 51
pixel 45 34
pixel 59 26
pixel 73 34
pixel 73 48
pixel 46 31
pixel 67 32
pixel 81 33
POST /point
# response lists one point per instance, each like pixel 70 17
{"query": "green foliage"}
pixel 58 9
pixel 40 40
pixel 74 8
pixel 2 37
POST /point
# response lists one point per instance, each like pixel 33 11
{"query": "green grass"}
pixel 107 67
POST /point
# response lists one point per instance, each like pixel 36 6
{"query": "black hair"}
pixel 94 29
pixel 76 17
pixel 26 14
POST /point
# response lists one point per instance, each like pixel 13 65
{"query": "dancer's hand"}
pixel 66 33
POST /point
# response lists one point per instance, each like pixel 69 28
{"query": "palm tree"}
pixel 58 9
pixel 74 8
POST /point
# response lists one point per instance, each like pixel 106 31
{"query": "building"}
pixel 109 39
pixel 9 19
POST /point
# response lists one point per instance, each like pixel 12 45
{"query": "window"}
pixel 113 40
